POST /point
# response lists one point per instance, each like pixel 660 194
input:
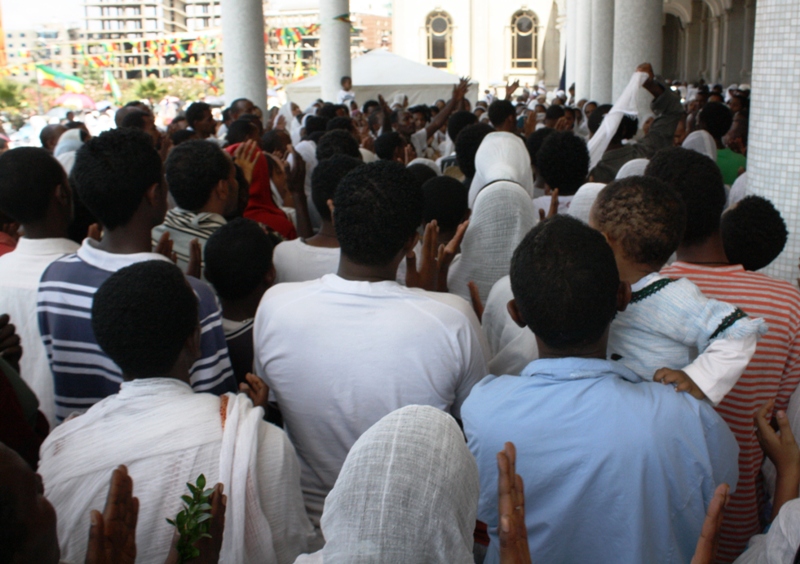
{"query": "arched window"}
pixel 439 27
pixel 524 44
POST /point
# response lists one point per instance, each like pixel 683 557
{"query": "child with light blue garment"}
pixel 670 332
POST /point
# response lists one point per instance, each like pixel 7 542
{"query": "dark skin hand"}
pixel 10 348
pixel 112 534
pixel 512 531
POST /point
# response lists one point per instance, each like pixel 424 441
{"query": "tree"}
pixel 150 89
pixel 9 94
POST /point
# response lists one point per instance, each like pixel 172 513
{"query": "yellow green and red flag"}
pixel 48 76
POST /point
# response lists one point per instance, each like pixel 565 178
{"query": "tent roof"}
pixel 382 68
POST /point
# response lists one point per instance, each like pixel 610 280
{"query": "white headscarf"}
pixel 427 162
pixel 624 106
pixel 501 156
pixel 738 190
pixel 583 200
pixel 407 492
pixel 293 125
pixel 501 217
pixel 632 168
pixel 702 142
pixel 66 148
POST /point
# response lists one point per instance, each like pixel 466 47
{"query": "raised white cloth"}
pixel 501 156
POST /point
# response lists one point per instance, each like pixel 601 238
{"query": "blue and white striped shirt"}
pixel 82 372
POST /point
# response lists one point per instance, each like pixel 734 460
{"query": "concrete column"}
pixel 583 79
pixel 725 43
pixel 747 42
pixel 335 47
pixel 572 41
pixel 602 56
pixel 244 67
pixel 637 38
pixel 561 26
pixel 715 25
pixel 773 155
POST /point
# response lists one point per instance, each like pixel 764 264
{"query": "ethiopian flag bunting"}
pixel 110 85
pixel 48 76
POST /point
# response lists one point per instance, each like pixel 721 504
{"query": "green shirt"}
pixel 730 163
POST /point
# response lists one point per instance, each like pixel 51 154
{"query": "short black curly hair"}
pixel 341 122
pixel 458 121
pixel 645 215
pixel 753 233
pixel 337 141
pixel 387 143
pixel 500 111
pixel 314 124
pixel 565 282
pixel 377 209
pixel 193 169
pixel 326 178
pixel 445 201
pixel 467 144
pixel 699 182
pixel 716 118
pixel 113 171
pixel 535 140
pixel 596 119
pixel 28 178
pixel 563 162
pixel 195 112
pixel 237 257
pixel 142 316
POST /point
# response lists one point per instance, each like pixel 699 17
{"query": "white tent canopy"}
pixel 382 72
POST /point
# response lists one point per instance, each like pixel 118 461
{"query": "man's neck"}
pixel 710 252
pixel 632 272
pixel 326 237
pixel 596 350
pixel 359 272
pixel 48 229
pixel 127 239
pixel 240 310
pixel 212 206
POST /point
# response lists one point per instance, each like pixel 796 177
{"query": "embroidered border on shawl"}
pixel 728 321
pixel 650 290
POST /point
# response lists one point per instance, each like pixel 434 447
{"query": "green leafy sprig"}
pixel 194 520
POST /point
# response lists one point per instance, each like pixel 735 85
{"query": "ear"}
pixel 547 189
pixel 623 295
pixel 154 194
pixel 513 311
pixel 63 194
pixel 222 190
pixel 330 207
pixel 192 345
pixel 269 277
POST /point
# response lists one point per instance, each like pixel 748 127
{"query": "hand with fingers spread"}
pixel 460 90
pixel 681 380
pixel 112 534
pixel 246 156
pixel 781 448
pixel 512 531
pixel 447 253
pixel 195 266
pixel 553 206
pixel 164 247
pixel 706 550
pixel 427 275
pixel 209 548
pixel 297 174
pixel 256 389
pixel 562 124
pixel 511 88
pixel 475 298
pixel 409 154
pixel 10 348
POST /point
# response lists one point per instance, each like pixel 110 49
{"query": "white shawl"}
pixel 634 167
pixel 702 142
pixel 624 106
pixel 501 217
pixel 501 156
pixel 583 200
pixel 407 492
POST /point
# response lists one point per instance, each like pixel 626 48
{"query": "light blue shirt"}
pixel 615 469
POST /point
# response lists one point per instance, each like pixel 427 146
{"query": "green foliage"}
pixel 193 521
pixel 150 89
pixel 10 94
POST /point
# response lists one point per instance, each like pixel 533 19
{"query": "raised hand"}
pixel 511 88
pixel 646 68
pixel 562 124
pixel 475 298
pixel 511 509
pixel 553 206
pixel 781 448
pixel 112 534
pixel 681 380
pixel 10 348
pixel 256 389
pixel 297 173
pixel 447 253
pixel 246 156
pixel 164 247
pixel 194 267
pixel 706 550
pixel 460 90
pixel 427 275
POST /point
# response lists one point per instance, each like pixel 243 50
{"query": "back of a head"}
pixel 645 215
pixel 554 112
pixel 327 111
pixel 377 209
pixel 563 162
pixel 239 106
pixel 716 118
pixel 182 136
pixel 458 121
pixel 238 257
pixel 597 116
pixel 195 112
pixel 534 142
pixel 753 233
pixel 467 144
pixel 628 127
pixel 500 111
pixel 135 118
pixel 28 178
pixel 50 133
pixel 699 182
pixel 326 177
pixel 386 145
pixel 192 170
pixel 275 140
pixel 445 201
pixel 314 124
pixel 337 142
pixel 142 317
pixel 565 282
pixel 343 123
pixel 240 131
pixel 369 106
pixel 421 172
pixel 113 171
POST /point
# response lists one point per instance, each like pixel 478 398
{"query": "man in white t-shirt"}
pixel 341 352
pixel 300 260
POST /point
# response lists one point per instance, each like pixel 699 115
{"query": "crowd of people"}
pixel 528 330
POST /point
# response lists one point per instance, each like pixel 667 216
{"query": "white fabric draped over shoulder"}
pixel 632 168
pixel 427 162
pixel 501 156
pixel 408 492
pixel 738 190
pixel 702 142
pixel 501 217
pixel 624 106
pixel 583 200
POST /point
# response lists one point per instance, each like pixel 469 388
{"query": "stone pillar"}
pixel 747 42
pixel 637 38
pixel 244 67
pixel 714 75
pixel 773 155
pixel 583 79
pixel 602 50
pixel 334 46
pixel 572 41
